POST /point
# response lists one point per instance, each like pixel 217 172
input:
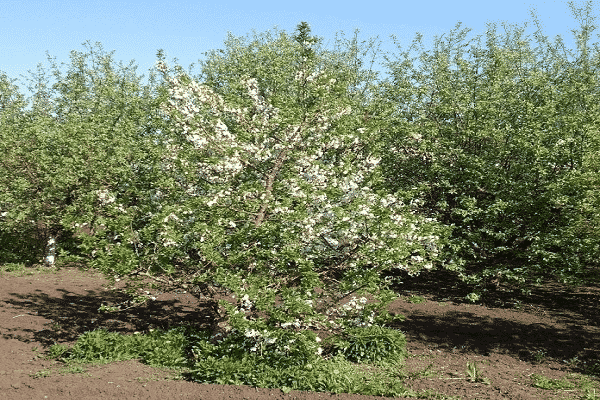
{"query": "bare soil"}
pixel 512 338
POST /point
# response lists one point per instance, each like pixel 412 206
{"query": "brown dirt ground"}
pixel 502 335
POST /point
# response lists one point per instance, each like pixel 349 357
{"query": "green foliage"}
pixel 288 362
pixel 24 247
pixel 95 140
pixel 157 348
pixel 474 374
pixel 336 375
pixel 56 351
pixel 374 344
pixel 243 232
pixel 501 150
pixel 416 299
pixel 276 347
pixel 229 362
pixel 473 297
pixel 551 384
pixel 12 267
pixel 593 369
pixel 12 103
pixel 103 158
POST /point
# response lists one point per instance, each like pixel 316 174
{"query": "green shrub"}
pixel 157 348
pixel 374 344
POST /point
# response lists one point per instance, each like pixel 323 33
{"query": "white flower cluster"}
pixel 352 309
pixel 252 333
pixel 246 303
pixel 314 160
pixel 105 197
pixel 295 324
pixel 318 175
pixel 170 243
pixel 260 339
pixel 300 75
pixel 306 323
pixel 171 216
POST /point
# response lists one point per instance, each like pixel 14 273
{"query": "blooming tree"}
pixel 273 200
pixel 268 192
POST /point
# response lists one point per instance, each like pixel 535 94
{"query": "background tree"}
pixel 495 147
pixel 13 247
pixel 95 136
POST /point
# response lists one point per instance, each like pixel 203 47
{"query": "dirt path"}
pixel 512 340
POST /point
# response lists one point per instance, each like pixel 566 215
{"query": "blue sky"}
pixel 186 29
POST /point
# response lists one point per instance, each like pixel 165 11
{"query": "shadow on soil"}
pixel 556 321
pixel 565 325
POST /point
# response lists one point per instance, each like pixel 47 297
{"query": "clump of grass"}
pixel 590 388
pixel 539 356
pixel 41 374
pixel 361 360
pixel 157 348
pixel 475 374
pixel 543 382
pixel 374 344
pixel 12 267
pixel 289 362
pixel 416 299
pixel 593 369
pixel 20 269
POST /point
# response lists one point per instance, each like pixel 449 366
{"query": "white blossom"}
pixel 105 197
pixel 312 175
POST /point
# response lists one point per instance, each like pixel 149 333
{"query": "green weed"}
pixel 474 374
pixel 542 382
pixel 362 360
pixel 416 299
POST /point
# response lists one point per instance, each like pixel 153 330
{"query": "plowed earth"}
pixel 554 333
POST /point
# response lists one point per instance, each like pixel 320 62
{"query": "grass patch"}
pixel 363 360
pixel 157 348
pixel 15 269
pixel 572 381
pixel 41 374
pixel 542 382
pixel 73 369
pixel 416 299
